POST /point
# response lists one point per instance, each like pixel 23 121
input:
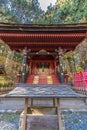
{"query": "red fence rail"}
pixel 80 79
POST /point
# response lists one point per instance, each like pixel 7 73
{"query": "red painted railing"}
pixel 80 79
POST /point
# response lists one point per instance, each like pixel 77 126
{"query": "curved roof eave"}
pixel 9 27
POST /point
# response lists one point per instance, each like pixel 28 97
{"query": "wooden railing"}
pixel 80 82
pixel 4 90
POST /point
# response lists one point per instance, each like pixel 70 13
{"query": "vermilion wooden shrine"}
pixel 42 43
pixel 41 47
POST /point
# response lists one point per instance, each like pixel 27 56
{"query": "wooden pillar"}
pixel 24 53
pixel 57 105
pixel 61 70
pixel 53 101
pixel 25 114
pixel 30 66
pixel 60 54
pixel 55 65
pixel 86 35
pixel 24 68
pixel 31 101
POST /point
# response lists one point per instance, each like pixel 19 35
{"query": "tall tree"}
pixel 29 11
pixel 22 11
pixel 70 11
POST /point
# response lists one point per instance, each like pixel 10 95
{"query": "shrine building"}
pixel 42 46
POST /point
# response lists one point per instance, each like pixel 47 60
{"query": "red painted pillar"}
pixel 30 66
pixel 55 64
pixel 86 35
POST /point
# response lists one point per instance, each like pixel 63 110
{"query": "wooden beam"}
pixel 57 105
pixel 31 101
pixel 79 27
pixel 42 35
pixel 25 114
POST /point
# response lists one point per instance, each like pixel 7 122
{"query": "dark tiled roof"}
pixel 60 91
pixel 8 27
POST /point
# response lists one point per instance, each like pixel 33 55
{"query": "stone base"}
pixel 45 122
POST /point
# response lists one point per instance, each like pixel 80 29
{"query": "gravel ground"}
pixel 9 121
pixel 73 120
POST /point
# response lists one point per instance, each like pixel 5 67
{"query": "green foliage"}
pixel 29 11
pixel 7 117
pixel 65 12
pixel 12 61
pixel 19 11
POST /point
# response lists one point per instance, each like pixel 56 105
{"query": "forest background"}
pixel 30 12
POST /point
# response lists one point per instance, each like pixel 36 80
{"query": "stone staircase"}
pixel 42 79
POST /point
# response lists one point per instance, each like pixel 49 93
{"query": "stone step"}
pixel 42 79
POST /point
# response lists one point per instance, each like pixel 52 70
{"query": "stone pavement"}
pixel 47 122
pixel 11 104
pixel 18 104
pixel 6 126
pixel 9 121
pixel 75 120
pixel 72 105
